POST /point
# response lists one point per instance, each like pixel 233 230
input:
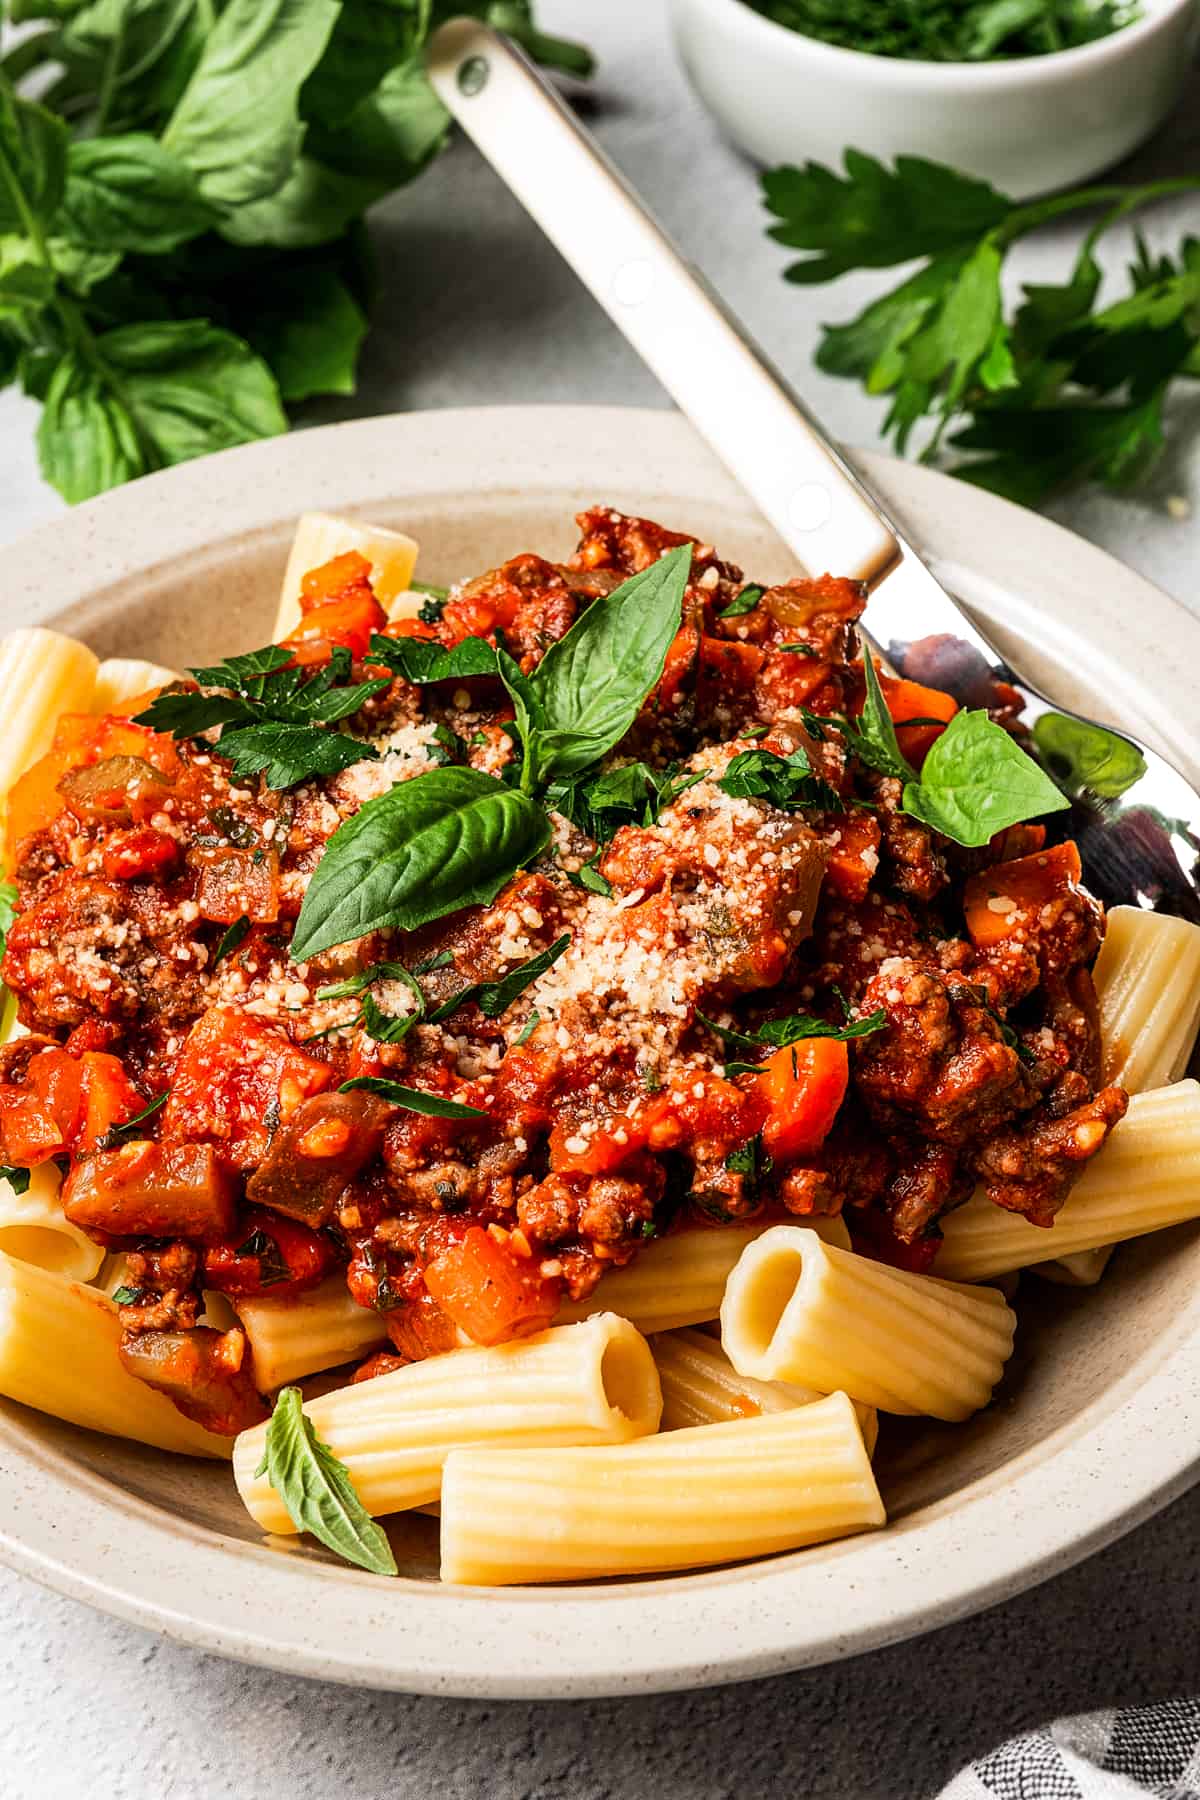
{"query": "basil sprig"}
pixel 494 998
pixel 975 781
pixel 453 837
pixel 316 1488
pixel 444 840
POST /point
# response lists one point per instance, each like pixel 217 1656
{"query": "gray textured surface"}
pixel 478 309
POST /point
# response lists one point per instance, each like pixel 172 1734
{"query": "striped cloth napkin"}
pixel 1125 1754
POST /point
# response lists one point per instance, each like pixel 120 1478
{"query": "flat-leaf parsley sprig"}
pixel 1063 388
pixel 273 720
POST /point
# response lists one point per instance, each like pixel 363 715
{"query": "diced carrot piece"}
pixel 489 1293
pixel 345 623
pixel 597 1152
pixel 108 1098
pixel 854 859
pixel 331 580
pixel 909 700
pixel 802 1086
pixel 1000 901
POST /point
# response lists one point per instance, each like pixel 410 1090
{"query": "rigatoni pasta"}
pixel 43 674
pixel 1147 979
pixel 593 1383
pixel 799 1310
pixel 58 1353
pixel 718 1493
pixel 121 680
pixel 1148 1178
pixel 34 1229
pixel 296 1335
pixel 680 1280
pixel 700 1386
pixel 322 536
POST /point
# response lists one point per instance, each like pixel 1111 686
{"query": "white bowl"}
pixel 1028 126
pixel 1097 1423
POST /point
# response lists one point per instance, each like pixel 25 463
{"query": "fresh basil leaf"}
pixel 353 985
pixel 786 781
pixel 588 877
pixel 126 1296
pixel 17 1179
pixel 191 388
pixel 230 939
pixel 443 960
pixel 120 1134
pixel 130 193
pixel 433 1106
pixel 87 438
pixel 529 716
pixel 237 125
pixel 495 997
pixel 317 1490
pixel 310 336
pixel 793 650
pixel 33 161
pixel 977 781
pixel 421 660
pixel 389 1028
pixel 515 17
pixel 744 602
pixel 634 794
pixel 444 840
pixel 26 284
pixel 592 683
pixel 872 737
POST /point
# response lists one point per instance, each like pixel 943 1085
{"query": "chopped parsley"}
pixel 273 720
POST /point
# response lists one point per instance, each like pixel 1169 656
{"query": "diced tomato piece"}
pixel 93 1034
pixel 153 1190
pixel 595 1151
pixel 346 623
pixel 408 628
pixel 334 579
pixel 854 859
pixel 492 1294
pixel 28 1134
pixel 108 1098
pixel 719 1110
pixel 1003 899
pixel 727 666
pixel 268 1255
pixel 80 740
pixel 237 884
pixel 802 1087
pixel 56 1082
pixel 237 1081
pixel 140 851
pixel 678 679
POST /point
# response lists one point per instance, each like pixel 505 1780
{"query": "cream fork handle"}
pixel 752 418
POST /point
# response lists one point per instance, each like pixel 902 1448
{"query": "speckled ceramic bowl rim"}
pixel 1118 1461
pixel 918 74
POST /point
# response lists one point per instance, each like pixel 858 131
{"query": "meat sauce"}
pixel 150 959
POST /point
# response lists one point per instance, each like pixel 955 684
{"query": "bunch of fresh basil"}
pixel 182 253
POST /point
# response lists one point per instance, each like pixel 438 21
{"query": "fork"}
pixel 1134 817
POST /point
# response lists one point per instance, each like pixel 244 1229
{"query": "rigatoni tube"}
pixel 296 1336
pixel 121 679
pixel 34 1228
pixel 714 1494
pixel 43 674
pixel 593 1383
pixel 58 1352
pixel 1148 992
pixel 322 536
pixel 1146 1177
pixel 700 1386
pixel 680 1280
pixel 796 1309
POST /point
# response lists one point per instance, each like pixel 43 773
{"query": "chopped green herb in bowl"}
pixel 952 30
